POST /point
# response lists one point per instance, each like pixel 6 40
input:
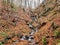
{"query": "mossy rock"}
pixel 3 34
pixel 44 41
pixel 56 33
pixel 1 43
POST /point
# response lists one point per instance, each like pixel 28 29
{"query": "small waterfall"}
pixel 27 3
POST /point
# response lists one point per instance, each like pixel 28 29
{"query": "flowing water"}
pixel 27 3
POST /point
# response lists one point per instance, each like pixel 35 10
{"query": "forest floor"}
pixel 26 27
